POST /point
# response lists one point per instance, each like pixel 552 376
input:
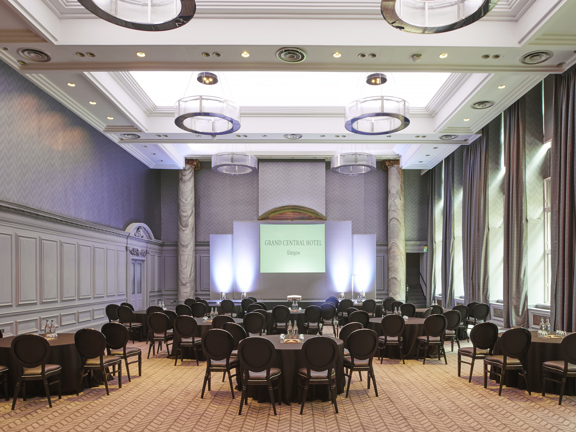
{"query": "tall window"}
pixel 547 242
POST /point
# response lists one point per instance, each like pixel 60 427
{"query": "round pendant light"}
pixel 434 16
pixel 146 15
pixel 207 115
pixel 377 115
pixel 234 163
pixel 353 163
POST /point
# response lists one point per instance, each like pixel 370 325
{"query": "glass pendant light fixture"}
pixel 353 163
pixel 234 163
pixel 146 15
pixel 207 115
pixel 377 115
pixel 434 16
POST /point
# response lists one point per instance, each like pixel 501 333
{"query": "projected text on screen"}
pixel 292 248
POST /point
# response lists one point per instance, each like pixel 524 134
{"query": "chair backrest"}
pixel 112 312
pixel 158 322
pixel 470 307
pixel 313 314
pixel 185 326
pixel 245 303
pixel 427 313
pixel 198 310
pixel 116 334
pixel 396 304
pixel 262 305
pixel 484 335
pixel 328 311
pixel 127 305
pixel 217 344
pixel 369 305
pixel 218 321
pixel 183 309
pixel 205 303
pixel 237 332
pixel 515 342
pixel 408 309
pixel 281 314
pixel 254 300
pixel 392 325
pixel 152 309
pixel 90 343
pixel 227 306
pixel 361 317
pixel 567 348
pixel 347 329
pixel 197 298
pixel 363 344
pixel 254 322
pixel 351 310
pixel 320 354
pixel 189 302
pixel 463 311
pixel 453 319
pixel 171 317
pixel 435 325
pixel 254 306
pixel 344 305
pixel 387 304
pixel 437 309
pixel 30 350
pixel 125 314
pixel 256 354
pixel 481 311
pixel 264 315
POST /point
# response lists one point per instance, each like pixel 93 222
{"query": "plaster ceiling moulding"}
pixel 145 15
pixel 291 55
pixel 35 55
pixel 434 16
pixel 536 57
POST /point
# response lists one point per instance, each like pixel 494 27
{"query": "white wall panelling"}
pixel 30 325
pixel 111 272
pixel 68 271
pixel 27 262
pixel 85 315
pixel 99 271
pixel 6 269
pixel 48 270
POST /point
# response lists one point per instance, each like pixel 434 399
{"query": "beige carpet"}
pixel 412 397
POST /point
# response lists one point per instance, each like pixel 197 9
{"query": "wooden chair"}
pixel 434 329
pixel 117 337
pixel 484 336
pixel 392 328
pixel 362 345
pixel 185 328
pixel 217 346
pixel 565 367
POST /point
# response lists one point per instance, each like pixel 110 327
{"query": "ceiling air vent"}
pixel 34 55
pixel 536 57
pixel 130 136
pixel 448 137
pixel 483 104
pixel 291 55
pixel 292 136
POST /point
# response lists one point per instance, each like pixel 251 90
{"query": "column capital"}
pixel 389 162
pixel 194 162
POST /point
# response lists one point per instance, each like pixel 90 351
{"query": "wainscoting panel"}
pixel 84 271
pixel 122 273
pixel 98 313
pixel 84 315
pixel 99 271
pixel 7 329
pixel 204 274
pixel 48 271
pixel 6 269
pixel 27 326
pixel 68 318
pixel 111 275
pixel 69 268
pixel 27 286
pixel 171 273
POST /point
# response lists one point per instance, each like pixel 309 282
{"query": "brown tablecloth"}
pixel 289 359
pixel 540 351
pixel 414 327
pixel 63 352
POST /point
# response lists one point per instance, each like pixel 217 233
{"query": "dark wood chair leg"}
pixel 472 369
pixel 47 390
pixel 543 382
pixel 16 393
pixel 304 393
pixel 371 373
pixel 271 393
pixel 204 384
pixel 105 378
pixel 526 380
pixel 502 380
pixel 485 374
pixel 120 374
pixel 562 387
pixel 127 369
pixel 401 353
pixel 349 381
pixel 230 380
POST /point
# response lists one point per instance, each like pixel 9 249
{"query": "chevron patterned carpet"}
pixel 412 397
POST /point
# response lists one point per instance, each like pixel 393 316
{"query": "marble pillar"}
pixel 186 233
pixel 396 233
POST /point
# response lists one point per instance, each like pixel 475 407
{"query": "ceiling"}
pixel 136 95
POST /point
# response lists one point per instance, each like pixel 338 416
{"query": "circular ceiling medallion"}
pixel 130 136
pixel 34 55
pixel 292 136
pixel 448 137
pixel 291 55
pixel 483 104
pixel 536 57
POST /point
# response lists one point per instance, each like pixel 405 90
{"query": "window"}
pixel 547 242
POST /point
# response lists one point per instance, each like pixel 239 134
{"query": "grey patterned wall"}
pixel 415 205
pixel 300 183
pixel 222 199
pixel 169 208
pixel 361 199
pixel 52 160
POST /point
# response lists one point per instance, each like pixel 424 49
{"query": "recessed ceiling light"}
pixel 427 155
pixel 482 104
pixel 322 136
pixel 89 54
pixel 435 148
pixel 336 55
pixel 153 154
pixel 159 136
pixel 448 137
pixel 486 56
pixel 423 136
pixel 71 85
pixel 466 119
pixel 421 162
pixel 131 135
pixel 496 56
pixel 198 136
pixel 417 136
pixel 245 54
pixel 216 54
pixel 501 86
pixel 145 146
pixel 92 103
pixel 264 136
pixel 141 54
pixel 110 118
pixel 293 136
pixel 80 54
pixel 161 160
pixel 443 55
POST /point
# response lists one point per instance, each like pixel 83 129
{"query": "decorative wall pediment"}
pixel 291 213
pixel 140 231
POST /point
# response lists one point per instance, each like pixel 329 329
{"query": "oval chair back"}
pixel 481 311
pixel 396 304
pixel 515 342
pixel 189 302
pixel 351 310
pixel 392 325
pixel 254 299
pixel 185 327
pixel 112 312
pixel 227 306
pixel 30 351
pixel 204 302
pixel 183 309
pixel 347 330
pixel 237 332
pixel 363 344
pixel 453 320
pixel 90 343
pixel 127 305
pixel 437 309
pixel 361 317
pixel 470 307
pixel 463 312
pixel 408 309
pixel 344 305
pixel 435 325
pixel 198 310
pixel 262 305
pixel 171 317
pixel 158 323
pixel 313 314
pixel 369 306
pixel 117 335
pixel 254 323
pixel 387 304
pixel 152 309
pixel 328 312
pixel 245 303
pixel 484 336
pixel 568 348
pixel 320 354
pixel 125 314
pixel 256 354
pixel 254 306
pixel 218 321
pixel 333 300
pixel 427 313
pixel 281 314
pixel 217 344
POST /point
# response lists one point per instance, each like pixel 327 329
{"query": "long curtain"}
pixel 515 232
pixel 448 234
pixel 563 199
pixel 430 270
pixel 475 220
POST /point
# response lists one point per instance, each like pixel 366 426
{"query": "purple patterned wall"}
pixel 52 160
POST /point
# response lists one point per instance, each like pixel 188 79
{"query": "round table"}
pixel 63 352
pixel 540 351
pixel 203 327
pixel 414 327
pixel 289 359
